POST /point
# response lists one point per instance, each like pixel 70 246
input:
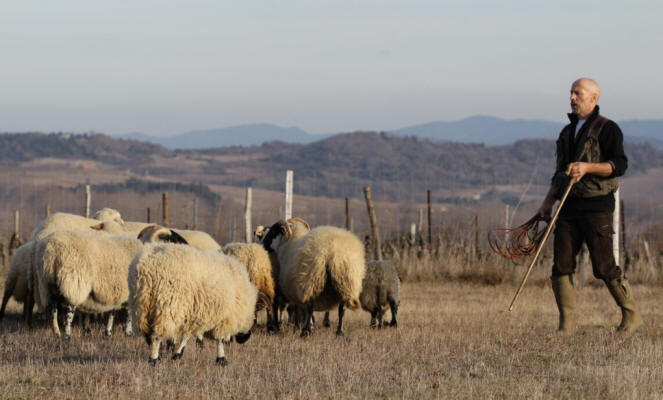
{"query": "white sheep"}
pixel 84 271
pixel 21 286
pixel 65 221
pixel 259 267
pixel 198 239
pixel 16 283
pixel 179 292
pixel 319 268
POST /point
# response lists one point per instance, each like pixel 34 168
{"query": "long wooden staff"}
pixel 543 242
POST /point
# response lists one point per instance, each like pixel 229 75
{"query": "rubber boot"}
pixel 621 292
pixel 566 303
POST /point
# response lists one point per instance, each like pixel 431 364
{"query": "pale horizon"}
pixel 165 68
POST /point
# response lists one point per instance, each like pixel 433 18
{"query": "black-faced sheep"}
pixel 179 292
pixel 259 267
pixel 319 269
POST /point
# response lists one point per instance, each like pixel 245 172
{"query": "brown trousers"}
pixel 593 228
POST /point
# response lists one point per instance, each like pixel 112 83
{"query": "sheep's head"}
pixel 242 337
pixel 110 226
pixel 260 232
pixel 107 214
pixel 275 235
pixel 156 233
pixel 283 231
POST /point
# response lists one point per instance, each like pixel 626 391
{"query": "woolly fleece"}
pixel 178 291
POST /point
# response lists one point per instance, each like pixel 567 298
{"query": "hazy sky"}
pixel 166 67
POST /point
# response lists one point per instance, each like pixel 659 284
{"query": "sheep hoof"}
pixel 326 324
pixel 200 343
pixel 154 361
pixel 108 333
pixel 272 328
pixel 67 337
pixel 305 333
pixel 393 324
pixel 128 333
pixel 221 361
pixel 87 331
pixel 177 356
pixel 339 333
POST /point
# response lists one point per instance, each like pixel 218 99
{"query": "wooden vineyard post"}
pixel 627 257
pixel 374 223
pixel 430 219
pixel 347 214
pixel 247 216
pixel 47 210
pixel 15 240
pixel 615 228
pixel 477 253
pixel 88 200
pixel 288 194
pixel 194 223
pixel 148 215
pixel 165 220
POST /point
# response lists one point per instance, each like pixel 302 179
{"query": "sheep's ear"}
pixel 297 219
pixel 173 237
pixel 287 230
pixel 98 227
pixel 144 231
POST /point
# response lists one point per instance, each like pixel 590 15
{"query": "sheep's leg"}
pixel 69 319
pixel 325 321
pixel 180 350
pixel 86 324
pixel 53 310
pixel 394 311
pixel 128 327
pixel 199 340
pixel 380 316
pixel 5 299
pixel 220 353
pixel 273 317
pixel 307 313
pixel 109 323
pixel 155 343
pixel 374 319
pixel 341 311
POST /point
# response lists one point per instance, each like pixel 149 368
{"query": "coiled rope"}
pixel 519 242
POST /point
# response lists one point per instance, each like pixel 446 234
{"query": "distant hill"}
pixel 497 131
pixel 18 147
pixel 242 135
pixel 396 167
pixel 476 129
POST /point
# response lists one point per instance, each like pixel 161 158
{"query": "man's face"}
pixel 583 100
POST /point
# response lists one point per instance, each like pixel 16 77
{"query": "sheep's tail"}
pixel 346 270
pixel 71 275
pixel 142 304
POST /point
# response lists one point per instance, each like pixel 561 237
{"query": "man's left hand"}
pixel 576 170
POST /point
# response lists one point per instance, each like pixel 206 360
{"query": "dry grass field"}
pixel 454 340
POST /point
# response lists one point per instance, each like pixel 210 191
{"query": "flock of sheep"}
pixel 180 284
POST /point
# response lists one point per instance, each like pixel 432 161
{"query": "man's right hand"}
pixel 545 210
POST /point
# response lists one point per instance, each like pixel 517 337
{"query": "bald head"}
pixel 585 95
